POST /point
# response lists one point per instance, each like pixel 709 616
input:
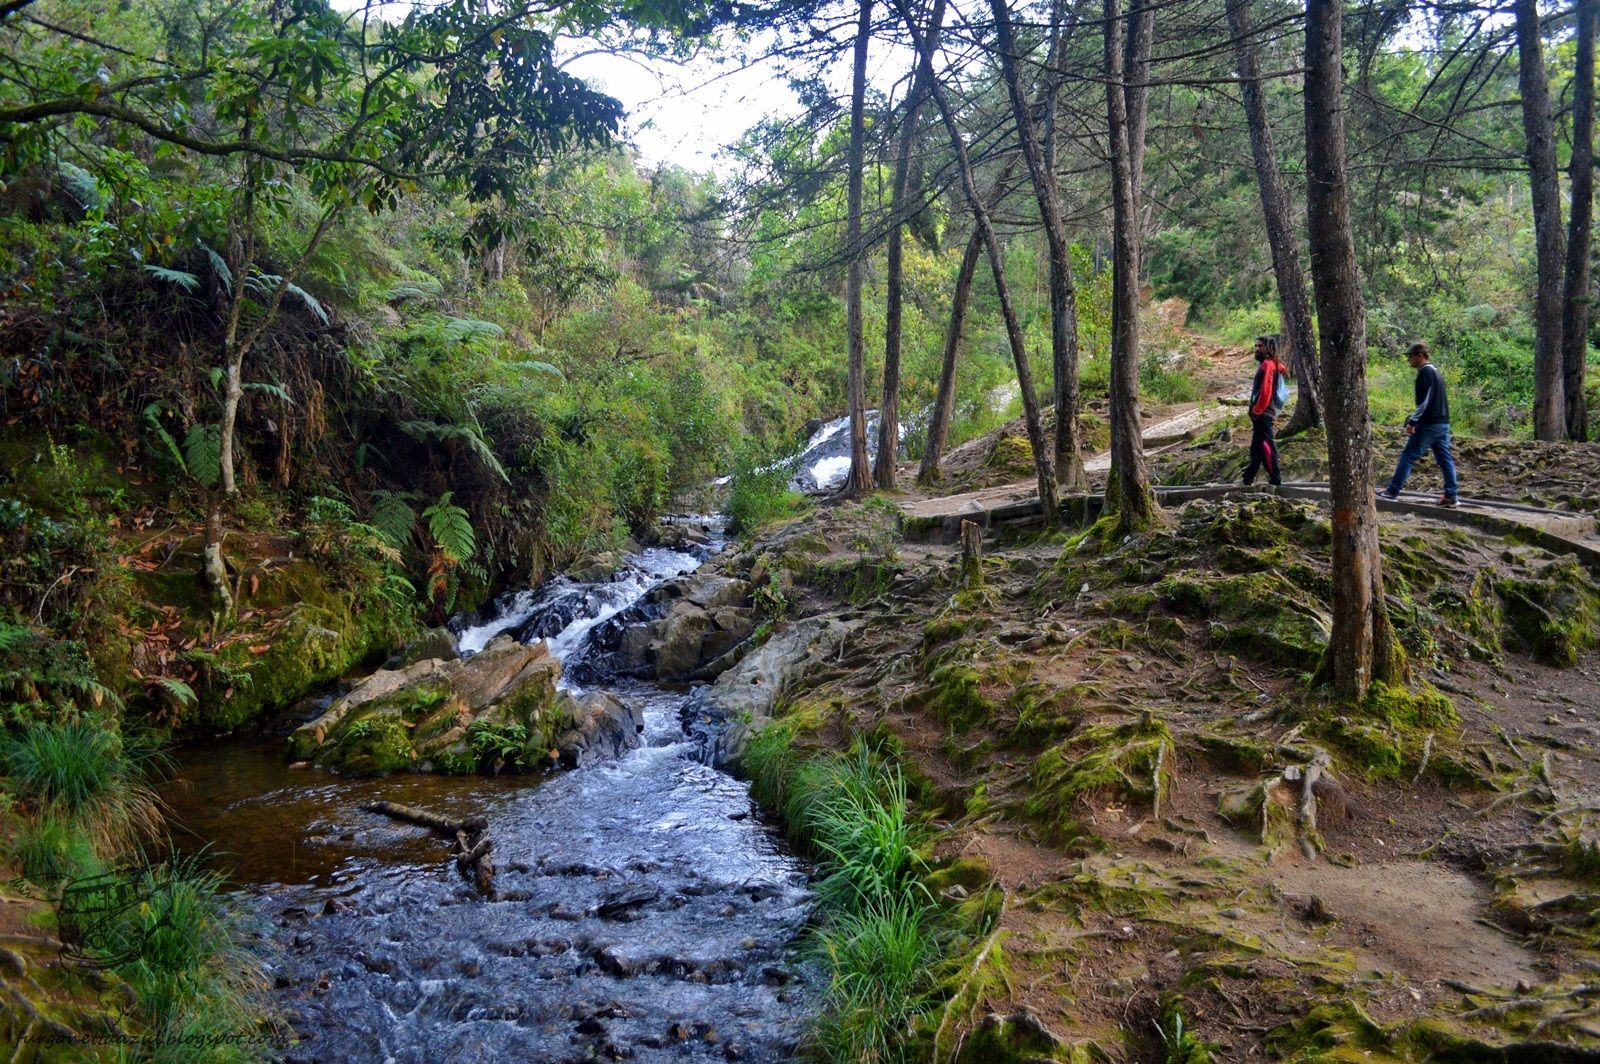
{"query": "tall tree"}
pixel 1047 190
pixel 1361 648
pixel 860 473
pixel 1043 465
pixel 889 409
pixel 1128 490
pixel 945 397
pixel 1576 297
pixel 1549 406
pixel 1294 308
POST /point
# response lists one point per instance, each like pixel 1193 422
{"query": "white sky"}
pixel 685 114
pixel 682 113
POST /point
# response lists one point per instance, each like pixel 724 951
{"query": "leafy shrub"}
pixel 51 848
pixel 1164 377
pixel 759 492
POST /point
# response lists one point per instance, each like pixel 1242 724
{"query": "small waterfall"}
pixel 564 610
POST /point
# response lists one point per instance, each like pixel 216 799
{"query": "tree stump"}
pixel 971 554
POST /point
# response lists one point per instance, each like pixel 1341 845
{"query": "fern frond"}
pixel 468 330
pixel 313 304
pixel 13 636
pixel 417 286
pixel 202 453
pixel 471 435
pixel 398 589
pixel 277 391
pixel 80 184
pixel 536 367
pixel 451 529
pixel 393 517
pixel 219 266
pixel 152 420
pixel 181 692
pixel 182 278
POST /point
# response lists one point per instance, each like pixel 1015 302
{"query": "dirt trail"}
pixel 1168 433
pixel 1449 889
pixel 1172 434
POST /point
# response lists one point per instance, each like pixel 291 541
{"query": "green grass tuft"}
pixel 85 774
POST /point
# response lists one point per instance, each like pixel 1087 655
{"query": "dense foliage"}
pixel 365 314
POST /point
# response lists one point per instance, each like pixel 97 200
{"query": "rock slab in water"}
pixel 495 710
pixel 725 714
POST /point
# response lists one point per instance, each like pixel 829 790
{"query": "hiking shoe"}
pixel 1386 495
pixel 1448 501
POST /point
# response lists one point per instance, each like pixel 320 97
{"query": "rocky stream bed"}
pixel 640 907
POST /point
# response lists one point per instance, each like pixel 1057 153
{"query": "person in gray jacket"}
pixel 1427 428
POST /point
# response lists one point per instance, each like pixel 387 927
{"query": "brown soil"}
pixel 1425 888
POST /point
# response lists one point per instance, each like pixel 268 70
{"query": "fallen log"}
pixel 471 837
pixel 472 825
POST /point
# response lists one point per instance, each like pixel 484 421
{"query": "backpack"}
pixel 1280 388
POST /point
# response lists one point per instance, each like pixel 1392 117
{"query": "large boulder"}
pixel 682 535
pixel 438 643
pixel 704 615
pixel 497 710
pixel 601 727
pixel 725 714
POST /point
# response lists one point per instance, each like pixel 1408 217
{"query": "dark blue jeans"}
pixel 1427 437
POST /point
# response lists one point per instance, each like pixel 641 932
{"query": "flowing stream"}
pixel 643 910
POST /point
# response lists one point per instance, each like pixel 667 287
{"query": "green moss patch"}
pixel 955 695
pixel 1130 762
pixel 1259 615
pixel 1554 615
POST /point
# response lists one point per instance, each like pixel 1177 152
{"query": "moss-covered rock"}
pixel 955 695
pixel 1475 617
pixel 1043 713
pixel 1232 753
pixel 1555 613
pixel 1011 455
pixel 328 631
pixel 496 711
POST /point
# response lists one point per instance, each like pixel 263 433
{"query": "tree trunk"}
pixel 213 567
pixel 472 825
pixel 1128 491
pixel 1063 292
pixel 231 395
pixel 1576 301
pixel 1294 308
pixel 889 410
pixel 1043 465
pixel 860 472
pixel 1362 646
pixel 1549 406
pixel 1136 48
pixel 945 399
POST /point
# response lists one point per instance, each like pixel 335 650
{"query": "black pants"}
pixel 1263 450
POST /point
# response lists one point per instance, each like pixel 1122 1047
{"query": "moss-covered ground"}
pixel 1109 737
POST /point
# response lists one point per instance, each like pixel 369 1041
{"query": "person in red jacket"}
pixel 1265 405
